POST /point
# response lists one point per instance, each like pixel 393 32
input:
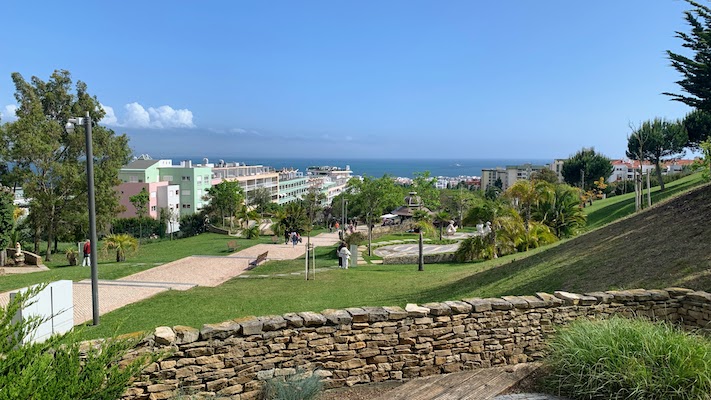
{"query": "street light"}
pixel 86 123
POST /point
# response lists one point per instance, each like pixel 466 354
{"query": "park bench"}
pixel 260 259
pixel 231 246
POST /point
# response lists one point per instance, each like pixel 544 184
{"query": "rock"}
pixel 164 335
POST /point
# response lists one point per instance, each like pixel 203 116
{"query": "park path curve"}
pixel 181 274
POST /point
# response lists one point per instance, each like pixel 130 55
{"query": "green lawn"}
pixel 602 212
pixel 148 255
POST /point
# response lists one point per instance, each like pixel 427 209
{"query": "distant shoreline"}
pixel 405 168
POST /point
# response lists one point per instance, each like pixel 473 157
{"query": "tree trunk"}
pixel 50 240
pixel 659 175
pixel 370 237
pixel 421 258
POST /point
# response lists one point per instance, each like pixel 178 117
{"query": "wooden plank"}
pixel 479 384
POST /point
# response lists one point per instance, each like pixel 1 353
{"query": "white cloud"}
pixel 136 116
pixel 8 113
pixel 110 116
pixel 163 117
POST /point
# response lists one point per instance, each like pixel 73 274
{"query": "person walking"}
pixel 294 239
pixel 346 256
pixel 86 262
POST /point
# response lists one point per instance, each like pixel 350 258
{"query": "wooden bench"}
pixel 231 246
pixel 260 259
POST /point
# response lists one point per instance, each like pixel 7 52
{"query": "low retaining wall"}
pixel 374 344
pixel 412 259
pixel 30 258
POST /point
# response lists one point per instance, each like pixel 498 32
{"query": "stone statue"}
pixel 19 255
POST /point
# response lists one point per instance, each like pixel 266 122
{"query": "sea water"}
pixel 378 167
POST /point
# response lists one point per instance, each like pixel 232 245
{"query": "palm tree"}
pixel 441 218
pixel 506 224
pixel 560 209
pixel 122 242
pixel 537 235
pixel 423 224
pixel 473 248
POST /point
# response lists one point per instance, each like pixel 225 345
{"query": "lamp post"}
pixel 86 123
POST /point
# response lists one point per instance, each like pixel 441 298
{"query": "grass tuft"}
pixel 629 359
pixel 300 385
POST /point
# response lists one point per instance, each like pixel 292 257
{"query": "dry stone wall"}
pixel 373 344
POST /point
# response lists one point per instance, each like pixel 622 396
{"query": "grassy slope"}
pixel 661 247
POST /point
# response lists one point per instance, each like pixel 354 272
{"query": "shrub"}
pixel 252 232
pixel 355 238
pixel 297 386
pixel 61 367
pixel 629 359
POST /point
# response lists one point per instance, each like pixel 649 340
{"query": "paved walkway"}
pixel 181 274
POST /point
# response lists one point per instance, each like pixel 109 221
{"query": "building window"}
pixel 153 194
pixel 185 178
pixel 153 208
pixel 198 178
pixel 133 179
pixel 167 178
pixel 185 192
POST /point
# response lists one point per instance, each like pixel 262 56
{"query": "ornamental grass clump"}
pixel 629 359
pixel 300 385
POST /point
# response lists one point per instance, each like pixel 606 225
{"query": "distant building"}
pixel 250 177
pixel 330 180
pixel 557 167
pixel 177 188
pixel 293 185
pixel 508 175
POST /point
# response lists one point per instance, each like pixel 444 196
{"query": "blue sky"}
pixel 358 79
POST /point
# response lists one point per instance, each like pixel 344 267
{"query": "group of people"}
pixel 344 255
pixel 292 237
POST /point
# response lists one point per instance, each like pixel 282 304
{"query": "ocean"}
pixel 378 167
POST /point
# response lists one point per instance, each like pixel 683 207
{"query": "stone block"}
pixel 164 335
pixel 358 314
pixel 574 298
pixel 549 299
pixel 250 325
pixel 438 309
pixel 659 295
pixel 479 305
pixel 413 310
pixel 376 314
pixel 272 323
pixel 222 330
pixel 500 304
pixel 312 318
pixel 602 297
pixel 293 320
pixel 396 313
pixel 699 296
pixel 337 317
pixel 677 291
pixel 622 296
pixel 518 302
pixel 186 334
pixel 459 307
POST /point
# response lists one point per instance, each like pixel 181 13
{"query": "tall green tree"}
pixel 140 203
pixel 426 187
pixel 525 195
pixel 698 126
pixel 7 221
pixel 51 162
pixel 457 202
pixel 225 199
pixel 695 69
pixel 259 198
pixel 655 140
pixel 371 198
pixel 586 166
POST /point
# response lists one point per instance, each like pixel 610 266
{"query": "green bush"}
pixel 629 359
pixel 60 367
pixel 297 386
